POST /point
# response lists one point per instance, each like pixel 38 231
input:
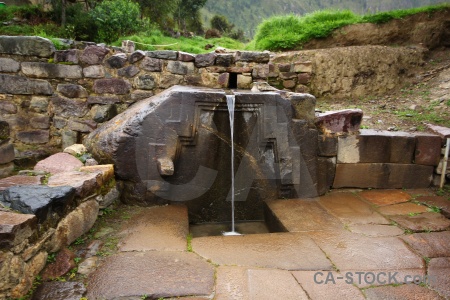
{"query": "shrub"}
pixel 115 18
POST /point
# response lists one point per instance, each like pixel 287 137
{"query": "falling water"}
pixel 230 104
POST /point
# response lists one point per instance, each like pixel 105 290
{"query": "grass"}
pixel 292 31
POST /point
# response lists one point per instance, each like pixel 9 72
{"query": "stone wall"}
pixel 52 99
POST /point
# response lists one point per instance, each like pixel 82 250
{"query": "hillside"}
pixel 248 14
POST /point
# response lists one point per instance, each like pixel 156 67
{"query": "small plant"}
pixel 79 241
pixel 434 209
pixel 189 242
pixel 51 258
pixel 77 260
pixel 411 214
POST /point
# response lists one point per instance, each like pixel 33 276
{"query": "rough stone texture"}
pixel 34 136
pixel 244 81
pixel 376 230
pixel 331 290
pixel 117 61
pixel 182 68
pixel 304 105
pixel 40 122
pixel 85 183
pixel 313 216
pixel 111 99
pixel 82 125
pixel 145 82
pixel 205 60
pixel 167 226
pixel 69 138
pixel 95 71
pixel 433 244
pixel 7 108
pixel 392 176
pixel 294 251
pixel 231 283
pixel 72 90
pixel 167 274
pixel 26 45
pixel 63 263
pixel 48 204
pixel 6 153
pixel 326 170
pixel 93 55
pixel 403 209
pixel 438 270
pixel 423 222
pixel 442 131
pixel 31 270
pixel 151 64
pixel 103 113
pixel 389 197
pixel 57 290
pixel 75 149
pixel 112 196
pixel 66 107
pixel 75 224
pixel 112 86
pixel 441 202
pixel 186 57
pixel 19 180
pixel 406 291
pixel 15 228
pixel 225 60
pixel 328 145
pixel 68 56
pixel 88 266
pixel 250 56
pixel 128 72
pixel 58 163
pixel 163 54
pixel 8 65
pixel 428 149
pixel 19 85
pixel 45 70
pixel 6 169
pixel 350 209
pixel 107 171
pixel 136 56
pixel 39 104
pixel 342 121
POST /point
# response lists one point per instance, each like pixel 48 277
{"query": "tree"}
pixel 159 12
pixel 188 13
pixel 221 23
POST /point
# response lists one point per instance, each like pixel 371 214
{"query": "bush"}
pixel 115 18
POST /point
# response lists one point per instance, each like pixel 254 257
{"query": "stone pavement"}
pixel 348 244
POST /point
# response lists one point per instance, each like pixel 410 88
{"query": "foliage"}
pixel 158 12
pixel 187 15
pixel 221 23
pixel 115 18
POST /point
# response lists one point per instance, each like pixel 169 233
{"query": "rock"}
pixel 47 203
pixel 68 56
pixel 75 149
pixel 128 72
pixel 85 183
pixel 19 85
pixel 144 82
pixel 26 45
pixel 69 138
pixel 428 149
pixel 63 263
pixel 151 64
pixel 343 121
pixel 426 221
pixel 442 131
pixel 34 136
pixel 58 163
pixel 93 55
pixel 6 153
pixel 260 72
pixel 179 67
pixel 20 180
pixel 405 291
pixel 75 224
pixel 438 270
pixel 117 61
pixel 432 244
pixel 186 57
pixel 250 56
pixel 58 290
pixel 112 196
pixel 304 106
pixel 137 95
pixel 95 71
pixel 112 86
pixel 91 162
pixel 9 65
pixel 205 60
pixel 91 250
pixel 136 56
pixel 112 99
pixel 88 266
pixel 65 107
pixel 40 122
pixel 39 104
pixel 304 78
pixel 328 145
pixel 243 81
pixel 225 60
pixel 82 125
pixel 163 54
pixel 6 169
pixel 302 67
pixel 4 131
pixel 15 228
pixel 72 90
pixel 45 70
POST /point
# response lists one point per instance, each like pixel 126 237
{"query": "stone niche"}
pixel 176 148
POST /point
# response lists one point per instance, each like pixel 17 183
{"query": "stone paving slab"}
pixel 439 270
pixel 298 215
pixel 270 284
pixel 422 222
pixel 155 274
pixel 403 209
pixel 231 283
pixel 433 244
pixel 355 252
pixel 385 197
pixel 371 278
pixel 326 285
pixel 19 180
pixel 375 230
pixel 437 201
pixel 288 251
pixel 401 292
pixel 350 209
pixel 156 228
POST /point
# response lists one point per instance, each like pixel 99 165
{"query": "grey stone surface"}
pixel 9 65
pixel 6 153
pixel 57 290
pixel 117 61
pixel 26 45
pixel 342 121
pixel 19 180
pixel 151 64
pixel 433 244
pixel 428 149
pixel 6 169
pixel 167 274
pixel 69 138
pixel 4 131
pixel 429 221
pixel 179 67
pixel 19 85
pixel 376 230
pixel 96 71
pixel 304 105
pixel 40 122
pixel 326 171
pixel 110 99
pixel 82 125
pixel 163 54
pixel 46 70
pixel 438 270
pixel 7 107
pixel 72 90
pixel 225 60
pixel 187 57
pixel 15 228
pixel 128 72
pixel 112 86
pixel 205 60
pixel 39 104
pixel 406 291
pixel 93 55
pixel 65 107
pixel 34 136
pixel 250 56
pixel 67 56
pixel 136 56
pixel 58 163
pixel 328 145
pixel 103 113
pixel 144 82
pixel 437 201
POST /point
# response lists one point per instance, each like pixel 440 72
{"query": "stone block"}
pixel 251 56
pixel 54 290
pixel 244 81
pixel 169 80
pixel 40 122
pixel 261 72
pixel 137 95
pixel 19 180
pixel 151 64
pixel 303 67
pixel 326 170
pixel 94 55
pixel 15 228
pixel 128 72
pixel 117 61
pixel 112 86
pixel 428 149
pixel 19 85
pixel 94 72
pixel 284 67
pixel 163 54
pixel 67 56
pixel 304 106
pixel 304 78
pixel 343 121
pixel 85 183
pixel 223 80
pixel 145 82
pixel 7 107
pixel 45 70
pixel 72 90
pixel 6 170
pixel 205 60
pixel 136 56
pixel 225 60
pixel 84 126
pixel 4 131
pixel 59 122
pixel 26 45
pixel 107 171
pixel 39 104
pixel 289 84
pixel 63 263
pixel 105 100
pixel 328 145
pixel 69 138
pixel 9 65
pixel 186 57
pixel 75 149
pixel 58 163
pixel 382 175
pixel 34 136
pixel 181 68
pixel 65 107
pixel 194 80
pixel 288 75
pixel 103 113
